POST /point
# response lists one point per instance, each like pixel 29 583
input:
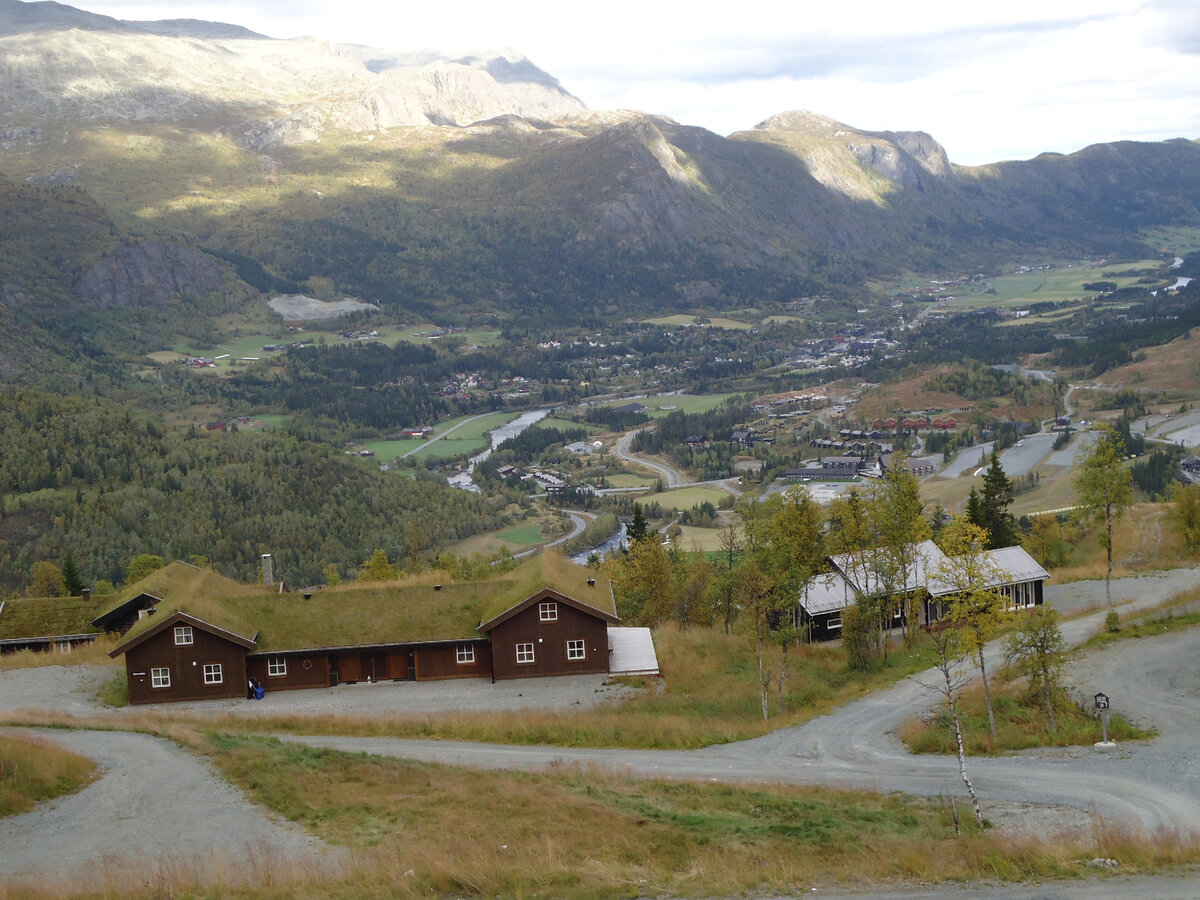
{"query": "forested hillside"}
pixel 108 484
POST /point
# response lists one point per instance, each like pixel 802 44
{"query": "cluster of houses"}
pixel 189 634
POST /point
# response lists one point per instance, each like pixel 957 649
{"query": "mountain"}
pixel 64 63
pixel 203 163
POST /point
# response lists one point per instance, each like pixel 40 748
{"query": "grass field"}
pixel 630 481
pixel 657 407
pixel 707 540
pixel 564 424
pixel 686 498
pixel 273 420
pixel 1061 284
pixel 523 535
pixel 709 322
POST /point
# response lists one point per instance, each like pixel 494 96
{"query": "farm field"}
pixel 657 407
pixel 708 540
pixel 629 480
pixel 1054 285
pixel 685 319
pixel 686 498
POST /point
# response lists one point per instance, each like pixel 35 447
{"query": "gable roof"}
pixel 422 609
pixel 23 618
pixel 127 608
pixel 175 618
pixel 927 558
pixel 1018 565
pixel 551 594
pixel 825 593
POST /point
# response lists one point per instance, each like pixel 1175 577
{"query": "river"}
pixel 466 480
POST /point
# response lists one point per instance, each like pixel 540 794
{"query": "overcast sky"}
pixel 990 81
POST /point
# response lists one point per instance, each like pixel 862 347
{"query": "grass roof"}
pixel 406 610
pixel 26 617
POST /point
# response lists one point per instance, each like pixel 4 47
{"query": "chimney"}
pixel 268 573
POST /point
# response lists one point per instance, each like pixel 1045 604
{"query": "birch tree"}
pixel 975 602
pixel 948 653
pixel 1106 490
pixel 1037 648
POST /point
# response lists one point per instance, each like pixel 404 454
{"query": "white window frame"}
pixel 465 654
pixel 184 636
pixel 276 666
pixel 548 611
pixel 834 623
pixel 160 678
pixel 213 674
pixel 525 654
pixel 576 649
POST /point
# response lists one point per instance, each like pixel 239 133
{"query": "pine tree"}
pixel 72 580
pixel 994 502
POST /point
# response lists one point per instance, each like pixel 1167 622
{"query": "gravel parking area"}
pixel 73 690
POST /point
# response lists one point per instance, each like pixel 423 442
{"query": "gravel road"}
pixel 1148 786
pixel 154 806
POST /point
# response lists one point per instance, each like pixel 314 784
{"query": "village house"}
pixel 1014 574
pixel 547 617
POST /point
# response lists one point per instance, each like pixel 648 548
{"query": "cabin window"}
pixel 466 654
pixel 160 678
pixel 524 654
pixel 547 611
pixel 276 667
pixel 212 673
pixel 576 650
pixel 183 635
pixel 835 623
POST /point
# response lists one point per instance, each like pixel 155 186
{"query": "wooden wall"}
pixel 438 661
pixel 549 641
pixel 186 665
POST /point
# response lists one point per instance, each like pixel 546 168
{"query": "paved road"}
pixel 669 476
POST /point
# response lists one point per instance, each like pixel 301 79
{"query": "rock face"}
pixel 65 63
pixel 149 273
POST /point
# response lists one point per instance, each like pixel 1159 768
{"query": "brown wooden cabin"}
pixel 511 626
pixel 549 634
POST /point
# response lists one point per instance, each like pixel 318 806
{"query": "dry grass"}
pixel 1142 542
pixel 93 654
pixel 33 770
pixel 1021 723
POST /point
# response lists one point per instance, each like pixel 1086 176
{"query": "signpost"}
pixel 1102 708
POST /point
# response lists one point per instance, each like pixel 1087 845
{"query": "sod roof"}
pixel 26 617
pixel 413 610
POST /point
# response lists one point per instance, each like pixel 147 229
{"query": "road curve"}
pixel 670 477
pixel 1148 787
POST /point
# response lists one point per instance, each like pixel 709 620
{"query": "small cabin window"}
pixel 834 623
pixel 524 654
pixel 160 678
pixel 276 667
pixel 466 654
pixel 212 673
pixel 547 611
pixel 576 649
pixel 183 635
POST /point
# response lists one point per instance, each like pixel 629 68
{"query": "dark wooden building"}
pixel 549 634
pixel 546 617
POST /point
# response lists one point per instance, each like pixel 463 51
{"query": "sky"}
pixel 990 81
